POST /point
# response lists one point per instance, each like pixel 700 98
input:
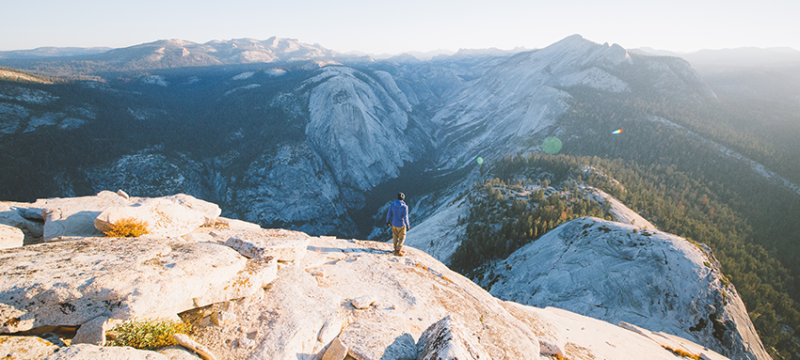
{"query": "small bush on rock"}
pixel 682 353
pixel 128 227
pixel 147 334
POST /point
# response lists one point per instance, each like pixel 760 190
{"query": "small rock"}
pixel 94 352
pixel 363 302
pixel 10 237
pixel 123 194
pixel 35 214
pixel 222 318
pixel 176 352
pixel 255 245
pixel 317 272
pixel 233 224
pixel 330 330
pixel 246 343
pixel 25 347
pixel 187 342
pixel 336 351
pixel 94 331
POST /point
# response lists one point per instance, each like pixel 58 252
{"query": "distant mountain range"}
pixel 48 52
pixel 292 135
pixel 741 57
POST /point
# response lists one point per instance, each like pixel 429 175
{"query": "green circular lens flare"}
pixel 479 160
pixel 551 145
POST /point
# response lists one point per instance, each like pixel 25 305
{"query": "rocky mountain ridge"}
pixel 277 294
pixel 254 137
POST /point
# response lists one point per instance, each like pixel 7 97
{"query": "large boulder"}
pixel 10 237
pixel 170 216
pixel 70 218
pixel 70 283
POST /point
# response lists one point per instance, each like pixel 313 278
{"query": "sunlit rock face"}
pixel 619 272
pixel 357 127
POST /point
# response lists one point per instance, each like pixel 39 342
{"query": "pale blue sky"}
pixel 397 26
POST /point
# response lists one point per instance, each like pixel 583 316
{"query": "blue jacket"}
pixel 398 214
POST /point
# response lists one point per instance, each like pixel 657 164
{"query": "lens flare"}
pixel 617 131
pixel 551 145
pixel 479 160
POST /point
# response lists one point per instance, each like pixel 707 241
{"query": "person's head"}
pixel 401 196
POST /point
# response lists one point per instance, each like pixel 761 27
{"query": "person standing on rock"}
pixel 397 218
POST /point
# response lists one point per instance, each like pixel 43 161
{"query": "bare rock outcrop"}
pixel 258 244
pixel 620 272
pixel 170 216
pixel 69 218
pixel 445 341
pixel 70 283
pixel 328 299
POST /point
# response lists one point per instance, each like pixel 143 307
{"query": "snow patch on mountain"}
pixel 47 119
pixel 31 96
pixel 145 114
pixel 155 80
pixel 246 87
pixel 244 75
pixel 616 272
pixel 72 123
pixel 10 117
pixel 275 72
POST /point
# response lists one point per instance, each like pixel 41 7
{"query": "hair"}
pixel 401 196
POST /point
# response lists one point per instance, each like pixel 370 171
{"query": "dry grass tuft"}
pixel 147 334
pixel 682 353
pixel 128 227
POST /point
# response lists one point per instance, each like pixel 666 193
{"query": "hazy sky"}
pixel 395 26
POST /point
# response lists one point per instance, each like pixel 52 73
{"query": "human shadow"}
pixel 324 249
